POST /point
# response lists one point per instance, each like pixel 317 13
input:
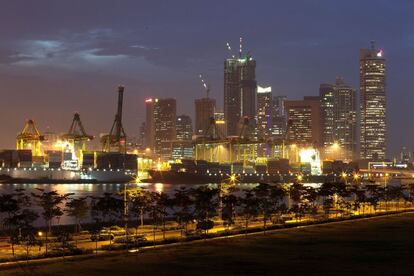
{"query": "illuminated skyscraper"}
pixel 327 98
pixel 204 111
pixel 184 128
pixel 338 119
pixel 279 121
pixel 182 147
pixel 373 143
pixel 149 123
pixel 264 112
pixel 239 93
pixel 304 121
pixel 161 126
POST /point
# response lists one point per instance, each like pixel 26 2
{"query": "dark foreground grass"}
pixel 378 246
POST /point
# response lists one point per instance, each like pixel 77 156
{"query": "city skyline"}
pixel 39 68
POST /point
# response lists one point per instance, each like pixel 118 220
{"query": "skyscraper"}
pixel 184 128
pixel 304 121
pixel 239 93
pixel 264 112
pixel 204 111
pixel 338 119
pixel 161 126
pixel 149 123
pixel 279 121
pixel 182 147
pixel 373 143
pixel 327 98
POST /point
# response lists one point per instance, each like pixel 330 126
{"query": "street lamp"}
pixel 344 176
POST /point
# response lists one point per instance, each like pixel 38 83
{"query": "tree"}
pixel 182 203
pixel 21 223
pixel 205 202
pixel 228 212
pixel 265 205
pixel 248 207
pixel 139 200
pixel 77 208
pixel 163 202
pixel 108 209
pixel 50 202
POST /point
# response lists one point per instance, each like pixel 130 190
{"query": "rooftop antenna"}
pixel 206 86
pixel 240 49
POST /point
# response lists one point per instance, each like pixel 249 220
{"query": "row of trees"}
pixel 199 207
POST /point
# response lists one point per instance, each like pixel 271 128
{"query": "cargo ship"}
pixel 19 166
pixel 203 172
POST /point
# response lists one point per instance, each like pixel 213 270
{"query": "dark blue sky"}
pixel 58 57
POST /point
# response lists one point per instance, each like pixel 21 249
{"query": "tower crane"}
pixel 30 138
pixel 205 85
pixel 116 137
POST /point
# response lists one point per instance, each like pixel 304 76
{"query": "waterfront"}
pixel 98 189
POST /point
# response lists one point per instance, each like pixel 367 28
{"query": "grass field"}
pixel 378 246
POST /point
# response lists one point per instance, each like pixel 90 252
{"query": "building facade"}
pixel 279 121
pixel 338 120
pixel 161 126
pixel 184 128
pixel 239 93
pixel 304 121
pixel 264 113
pixel 373 105
pixel 204 111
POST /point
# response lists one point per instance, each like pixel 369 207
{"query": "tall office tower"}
pixel 149 123
pixel 239 93
pixel 161 126
pixel 264 113
pixel 184 128
pixel 278 120
pixel 345 119
pixel 338 119
pixel 327 98
pixel 204 111
pixel 182 147
pixel 141 136
pixel 373 143
pixel 304 121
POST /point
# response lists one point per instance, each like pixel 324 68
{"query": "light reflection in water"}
pixel 159 187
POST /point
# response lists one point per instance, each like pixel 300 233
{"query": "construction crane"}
pixel 116 139
pixel 205 85
pixel 30 138
pixel 76 137
pixel 229 48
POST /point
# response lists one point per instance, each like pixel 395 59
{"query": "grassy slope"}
pixel 380 246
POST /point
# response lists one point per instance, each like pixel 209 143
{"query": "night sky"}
pixel 59 57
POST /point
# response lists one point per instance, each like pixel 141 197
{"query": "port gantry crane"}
pixel 116 139
pixel 30 138
pixel 239 148
pixel 76 136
